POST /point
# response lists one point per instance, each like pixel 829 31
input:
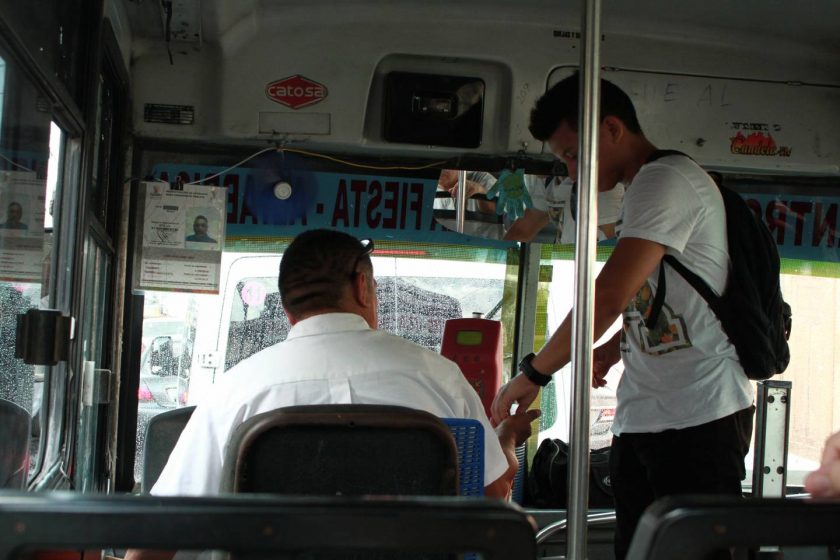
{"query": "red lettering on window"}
pixel 391 196
pixel 824 225
pixel 373 214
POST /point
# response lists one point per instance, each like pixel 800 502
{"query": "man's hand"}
pixel 448 181
pixel 603 358
pixel 512 432
pixel 516 429
pixel 519 390
pixel 825 481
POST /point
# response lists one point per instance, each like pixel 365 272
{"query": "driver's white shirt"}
pixel 333 358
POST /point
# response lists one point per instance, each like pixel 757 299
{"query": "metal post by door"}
pixel 772 424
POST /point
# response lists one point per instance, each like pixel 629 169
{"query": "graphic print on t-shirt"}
pixel 669 332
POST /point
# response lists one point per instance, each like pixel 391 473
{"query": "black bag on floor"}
pixel 548 479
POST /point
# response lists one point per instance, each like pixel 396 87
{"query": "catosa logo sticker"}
pixel 296 91
pixel 757 144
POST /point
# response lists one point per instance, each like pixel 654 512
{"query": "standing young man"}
pixel 684 415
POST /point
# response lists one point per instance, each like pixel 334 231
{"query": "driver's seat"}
pixel 348 449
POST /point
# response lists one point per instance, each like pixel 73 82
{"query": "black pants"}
pixel 705 459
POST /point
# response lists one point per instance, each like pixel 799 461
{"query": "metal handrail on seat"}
pixel 592 520
pixel 264 525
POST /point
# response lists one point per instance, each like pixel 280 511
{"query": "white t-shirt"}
pixel 555 199
pixel 333 358
pixel 684 372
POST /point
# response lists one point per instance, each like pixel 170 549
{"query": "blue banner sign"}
pixel 805 226
pixel 285 201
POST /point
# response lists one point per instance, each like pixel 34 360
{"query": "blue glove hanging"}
pixel 513 197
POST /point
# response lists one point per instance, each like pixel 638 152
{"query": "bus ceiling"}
pixel 745 86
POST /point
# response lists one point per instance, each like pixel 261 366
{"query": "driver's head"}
pixel 327 271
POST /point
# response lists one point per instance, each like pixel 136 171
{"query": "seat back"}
pixel 469 441
pixel 265 527
pixel 14 433
pixel 694 527
pixel 342 450
pixel 162 434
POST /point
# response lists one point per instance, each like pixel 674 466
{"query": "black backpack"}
pixel 548 480
pixel 751 309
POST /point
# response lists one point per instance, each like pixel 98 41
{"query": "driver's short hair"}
pixel 316 270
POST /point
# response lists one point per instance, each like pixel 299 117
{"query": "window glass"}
pixel 556 397
pixel 52 32
pixel 95 379
pixel 25 156
pixel 814 369
pixel 104 156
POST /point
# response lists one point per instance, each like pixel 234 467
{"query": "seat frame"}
pixel 692 527
pixel 262 524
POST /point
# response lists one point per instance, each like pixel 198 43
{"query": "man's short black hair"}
pixel 316 269
pixel 560 104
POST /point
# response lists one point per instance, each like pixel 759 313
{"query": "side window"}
pixel 29 154
pixel 166 358
pixel 556 397
pixel 813 293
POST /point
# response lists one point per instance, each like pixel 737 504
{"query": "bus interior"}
pixel 157 157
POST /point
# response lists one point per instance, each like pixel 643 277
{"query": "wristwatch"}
pixel 531 373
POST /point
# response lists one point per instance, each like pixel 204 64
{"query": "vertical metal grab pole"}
pixel 582 320
pixel 461 201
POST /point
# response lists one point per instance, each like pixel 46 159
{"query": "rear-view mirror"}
pixel 516 206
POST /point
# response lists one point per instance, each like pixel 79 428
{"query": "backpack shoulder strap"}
pixel 659 154
pixel 696 282
pixel 658 299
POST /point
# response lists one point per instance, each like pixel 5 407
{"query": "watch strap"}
pixel 531 373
